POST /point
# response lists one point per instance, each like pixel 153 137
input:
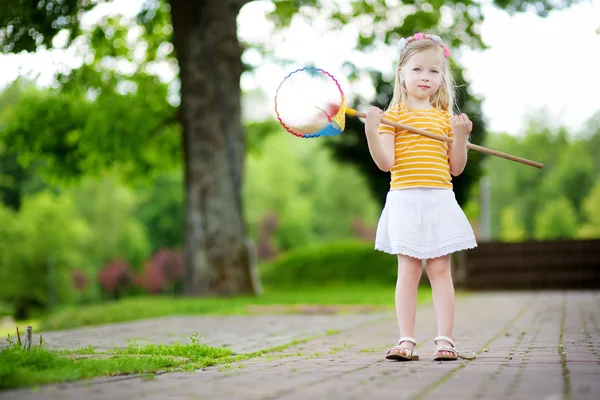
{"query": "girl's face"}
pixel 422 74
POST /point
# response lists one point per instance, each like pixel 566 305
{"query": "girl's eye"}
pixel 417 69
pixel 434 71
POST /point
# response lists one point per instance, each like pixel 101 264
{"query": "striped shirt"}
pixel 419 161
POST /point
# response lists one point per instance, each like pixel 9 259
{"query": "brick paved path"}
pixel 538 345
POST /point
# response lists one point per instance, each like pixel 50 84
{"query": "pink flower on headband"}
pixel 420 36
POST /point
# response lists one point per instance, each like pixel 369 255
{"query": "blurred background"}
pixel 105 107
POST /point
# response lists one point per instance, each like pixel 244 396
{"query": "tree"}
pixel 549 203
pixel 204 36
pixel 556 220
pixel 526 188
pixel 208 52
pixel 15 180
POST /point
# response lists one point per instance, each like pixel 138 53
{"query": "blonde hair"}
pixel 444 97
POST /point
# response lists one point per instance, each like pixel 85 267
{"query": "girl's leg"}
pixel 440 277
pixel 409 275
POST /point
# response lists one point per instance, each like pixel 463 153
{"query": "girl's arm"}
pixel 381 146
pixel 457 154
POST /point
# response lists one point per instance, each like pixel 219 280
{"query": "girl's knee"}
pixel 409 267
pixel 438 267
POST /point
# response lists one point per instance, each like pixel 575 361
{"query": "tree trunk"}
pixel 217 256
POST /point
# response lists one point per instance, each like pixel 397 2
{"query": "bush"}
pixel 39 248
pixel 164 272
pixel 331 263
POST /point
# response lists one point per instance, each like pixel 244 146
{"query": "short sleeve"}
pixel 447 126
pixel 392 115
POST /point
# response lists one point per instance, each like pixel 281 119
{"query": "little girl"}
pixel 421 219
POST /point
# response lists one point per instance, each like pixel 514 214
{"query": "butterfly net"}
pixel 310 103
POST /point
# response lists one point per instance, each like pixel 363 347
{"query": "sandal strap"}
pixel 448 349
pixel 408 351
pixel 445 338
pixel 407 339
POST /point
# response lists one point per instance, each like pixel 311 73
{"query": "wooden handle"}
pixel 423 132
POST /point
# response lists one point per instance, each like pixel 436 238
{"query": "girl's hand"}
pixel 461 126
pixel 373 118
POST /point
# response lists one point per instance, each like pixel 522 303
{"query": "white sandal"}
pixel 450 349
pixel 403 353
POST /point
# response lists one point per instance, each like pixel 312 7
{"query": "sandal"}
pixel 403 353
pixel 437 356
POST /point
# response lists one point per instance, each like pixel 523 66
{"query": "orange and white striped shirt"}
pixel 419 161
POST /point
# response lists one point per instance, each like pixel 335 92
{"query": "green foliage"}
pixel 346 262
pixel 16 180
pixel 112 113
pixel 313 198
pixel 70 135
pixel 110 207
pixel 573 174
pixel 556 220
pixel 591 139
pixel 511 227
pixel 39 247
pixel 160 210
pixel 528 203
pixel 25 27
pixel 458 21
pixel 80 228
pixel 591 211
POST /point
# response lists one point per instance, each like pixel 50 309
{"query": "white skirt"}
pixel 423 223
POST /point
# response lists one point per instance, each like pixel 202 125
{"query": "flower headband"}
pixel 422 36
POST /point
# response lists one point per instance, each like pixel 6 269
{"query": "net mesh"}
pixel 310 103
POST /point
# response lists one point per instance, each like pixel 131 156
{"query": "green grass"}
pixel 345 299
pixel 39 365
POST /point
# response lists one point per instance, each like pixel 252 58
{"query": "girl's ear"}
pixel 402 84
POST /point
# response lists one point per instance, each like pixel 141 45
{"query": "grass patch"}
pixel 39 365
pixel 339 298
pixel 368 350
